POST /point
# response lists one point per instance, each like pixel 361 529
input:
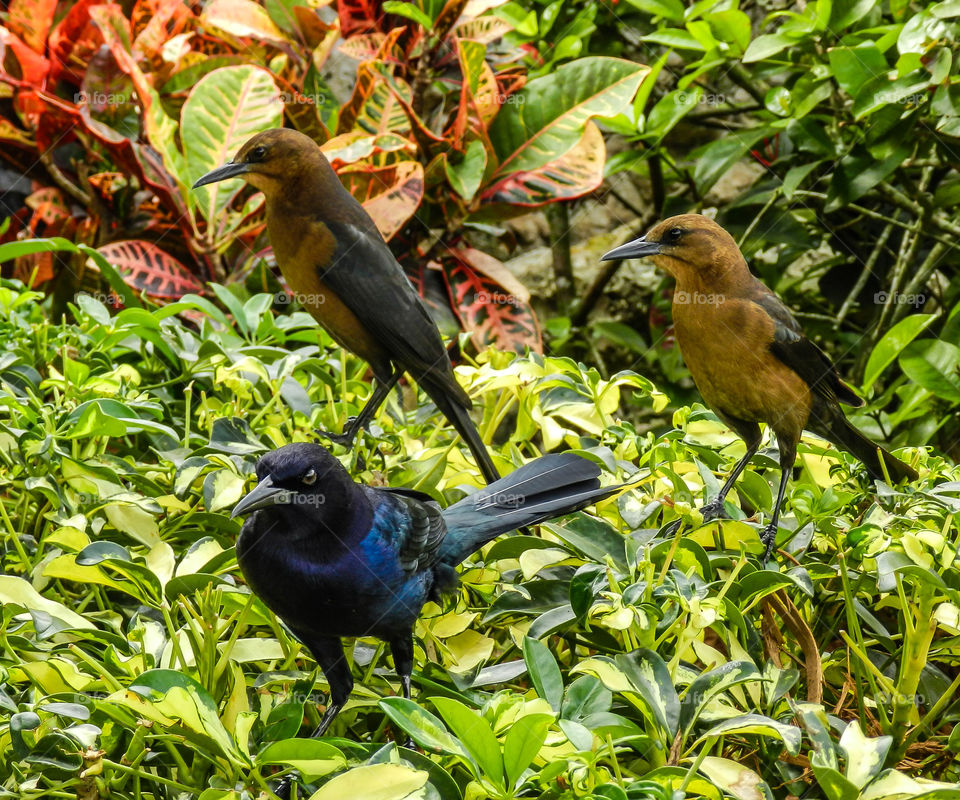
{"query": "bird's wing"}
pixel 800 354
pixel 367 278
pixel 421 540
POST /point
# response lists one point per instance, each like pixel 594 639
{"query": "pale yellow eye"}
pixel 310 477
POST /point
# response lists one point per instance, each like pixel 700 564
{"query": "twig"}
pixel 864 275
pixel 558 217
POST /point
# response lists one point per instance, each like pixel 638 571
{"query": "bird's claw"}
pixel 714 510
pixel 768 536
pixel 283 788
pixel 343 439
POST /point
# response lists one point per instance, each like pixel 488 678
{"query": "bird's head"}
pixel 271 159
pixel 684 246
pixel 300 474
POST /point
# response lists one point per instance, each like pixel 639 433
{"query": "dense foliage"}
pixel 600 658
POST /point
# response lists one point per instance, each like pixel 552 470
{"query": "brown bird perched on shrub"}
pixel 749 357
pixel 334 258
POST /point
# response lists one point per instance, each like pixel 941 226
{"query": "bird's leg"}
pixel 788 455
pixel 402 649
pixel 328 653
pixel 380 391
pixel 714 509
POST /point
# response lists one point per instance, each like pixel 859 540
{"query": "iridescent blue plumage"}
pixel 333 558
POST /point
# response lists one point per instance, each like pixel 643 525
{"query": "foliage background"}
pixel 600 658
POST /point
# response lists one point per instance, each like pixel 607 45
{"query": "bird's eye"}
pixel 310 477
pixel 674 234
pixel 257 153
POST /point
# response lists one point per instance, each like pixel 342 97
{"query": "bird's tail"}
pixel 547 487
pixel 838 430
pixel 459 417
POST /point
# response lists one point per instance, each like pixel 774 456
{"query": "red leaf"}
pixel 154 22
pixel 147 268
pixel 21 62
pixel 73 41
pixel 391 195
pixel 574 174
pixel 30 20
pixel 360 16
pixel 489 311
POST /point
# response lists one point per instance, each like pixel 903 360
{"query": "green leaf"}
pixel 178 702
pixel 858 173
pixel 522 744
pixel 865 756
pixel 19 591
pixel 854 66
pixel 475 734
pixel 408 10
pixel 759 725
pixel 548 116
pixel 310 757
pixel 422 726
pixel 650 679
pixel 893 342
pixel 768 45
pixel 675 38
pixel 713 160
pixel 710 685
pixel 668 9
pixel 544 671
pixel 225 108
pixel 466 175
pixel 934 365
pixel 373 782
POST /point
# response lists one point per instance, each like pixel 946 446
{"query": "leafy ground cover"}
pixel 598 658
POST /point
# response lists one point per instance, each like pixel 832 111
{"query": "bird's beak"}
pixel 638 248
pixel 263 495
pixel 233 169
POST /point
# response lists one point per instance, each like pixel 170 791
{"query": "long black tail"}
pixel 835 427
pixel 459 417
pixel 547 487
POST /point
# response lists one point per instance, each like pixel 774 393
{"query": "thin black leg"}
pixel 714 508
pixel 788 455
pixel 402 650
pixel 328 653
pixel 380 392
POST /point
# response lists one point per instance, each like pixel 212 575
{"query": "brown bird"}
pixel 749 357
pixel 335 260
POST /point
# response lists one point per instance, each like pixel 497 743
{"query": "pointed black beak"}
pixel 263 495
pixel 230 170
pixel 638 248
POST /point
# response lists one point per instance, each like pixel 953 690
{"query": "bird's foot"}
pixel 283 788
pixel 714 510
pixel 344 439
pixel 768 536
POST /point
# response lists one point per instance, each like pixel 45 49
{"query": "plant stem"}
pixel 558 217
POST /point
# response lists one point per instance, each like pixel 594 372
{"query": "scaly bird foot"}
pixel 343 439
pixel 714 510
pixel 768 536
pixel 283 788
